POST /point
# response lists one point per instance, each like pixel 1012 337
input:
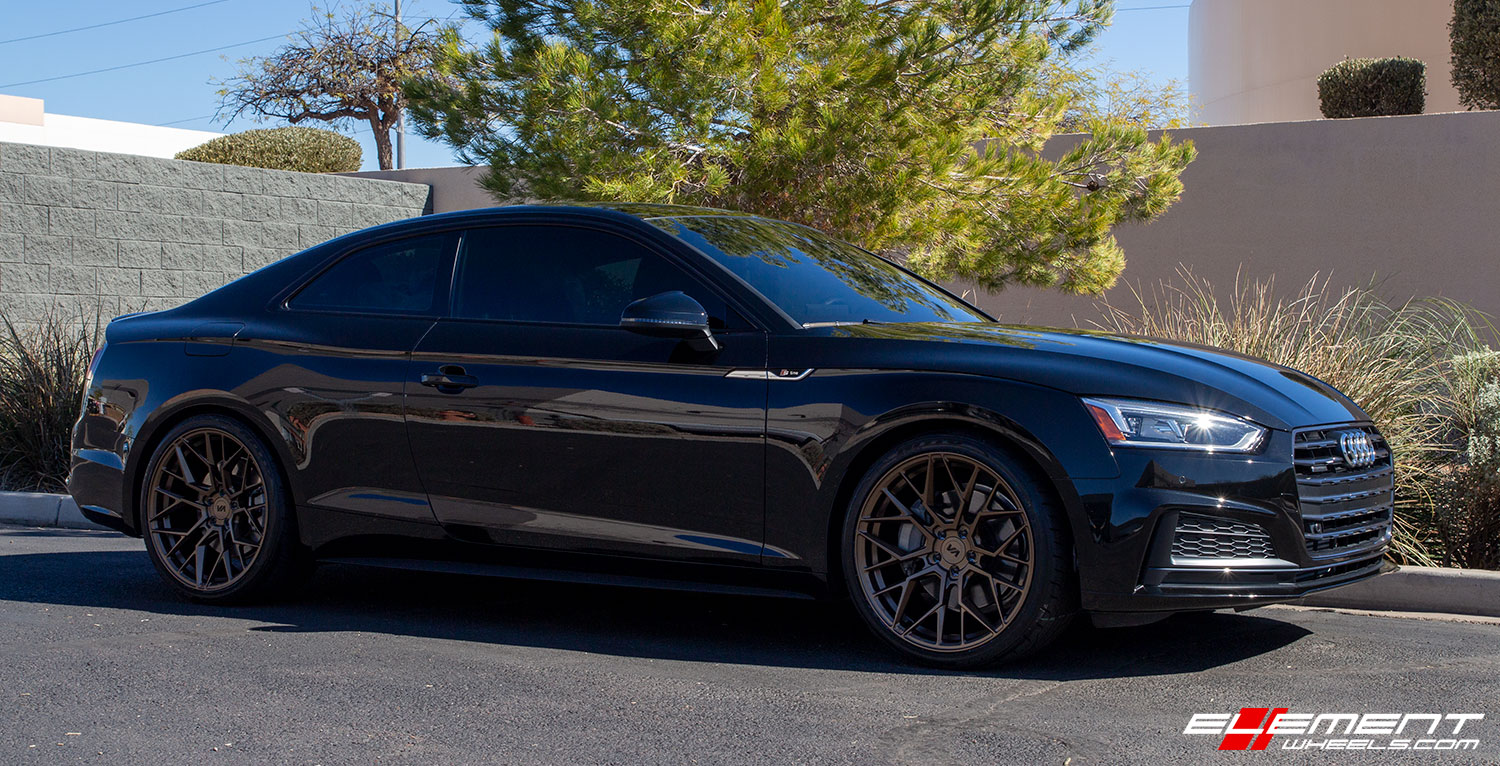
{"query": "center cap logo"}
pixel 1356 448
pixel 953 551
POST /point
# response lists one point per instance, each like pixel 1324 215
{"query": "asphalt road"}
pixel 100 662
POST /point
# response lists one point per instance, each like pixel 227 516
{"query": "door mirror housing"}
pixel 671 315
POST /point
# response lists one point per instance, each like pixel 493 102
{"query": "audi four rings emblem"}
pixel 1358 452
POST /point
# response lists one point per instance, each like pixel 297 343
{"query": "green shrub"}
pixel 42 367
pixel 1475 35
pixel 1391 359
pixel 309 150
pixel 1373 88
pixel 1468 510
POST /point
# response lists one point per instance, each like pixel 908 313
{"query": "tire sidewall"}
pixel 1047 547
pixel 279 523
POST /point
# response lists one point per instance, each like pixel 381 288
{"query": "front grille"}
pixel 1205 537
pixel 1345 509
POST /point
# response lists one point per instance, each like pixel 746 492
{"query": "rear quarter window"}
pixel 404 276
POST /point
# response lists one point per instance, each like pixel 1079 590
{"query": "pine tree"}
pixel 911 127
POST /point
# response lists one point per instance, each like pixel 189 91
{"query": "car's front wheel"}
pixel 955 555
pixel 215 514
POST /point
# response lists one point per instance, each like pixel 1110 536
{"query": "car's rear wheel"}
pixel 955 554
pixel 215 514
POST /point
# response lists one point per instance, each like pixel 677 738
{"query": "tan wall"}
pixel 453 188
pixel 1409 200
pixel 1259 60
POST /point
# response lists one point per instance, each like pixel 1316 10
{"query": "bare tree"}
pixel 341 66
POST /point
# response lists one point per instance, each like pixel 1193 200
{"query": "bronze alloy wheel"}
pixel 207 509
pixel 944 552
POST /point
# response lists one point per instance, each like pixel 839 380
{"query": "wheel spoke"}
pixel 1013 559
pixel 948 469
pixel 942 611
pixel 199 554
pixel 187 471
pixel 235 495
pixel 980 618
pixel 902 602
pixel 922 619
pixel 928 498
pixel 178 498
pixel 197 526
pixel 966 498
pixel 259 528
pixel 999 550
pixel 905 511
pixel 224 554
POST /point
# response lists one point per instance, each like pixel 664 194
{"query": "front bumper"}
pixel 1190 532
pixel 1182 589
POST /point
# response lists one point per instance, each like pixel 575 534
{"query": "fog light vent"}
pixel 1206 537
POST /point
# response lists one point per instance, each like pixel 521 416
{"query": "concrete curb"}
pixel 37 509
pixel 1420 589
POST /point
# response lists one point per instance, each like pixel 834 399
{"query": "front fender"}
pixel 823 430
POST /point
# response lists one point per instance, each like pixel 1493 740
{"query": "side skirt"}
pixel 513 571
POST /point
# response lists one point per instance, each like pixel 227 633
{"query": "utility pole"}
pixel 400 113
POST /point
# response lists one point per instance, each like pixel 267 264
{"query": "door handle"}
pixel 449 376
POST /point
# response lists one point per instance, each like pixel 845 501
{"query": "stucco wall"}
pixel 1259 60
pixel 1409 202
pixel 119 232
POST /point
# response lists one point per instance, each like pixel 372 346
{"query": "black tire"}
pixel 1019 507
pixel 229 517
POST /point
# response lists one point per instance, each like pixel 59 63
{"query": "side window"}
pixel 406 276
pixel 565 275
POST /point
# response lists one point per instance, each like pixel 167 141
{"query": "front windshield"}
pixel 815 278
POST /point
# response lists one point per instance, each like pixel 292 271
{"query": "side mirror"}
pixel 671 315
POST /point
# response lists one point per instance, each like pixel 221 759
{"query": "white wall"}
pixel 104 136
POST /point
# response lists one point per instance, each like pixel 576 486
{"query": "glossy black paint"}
pixel 555 446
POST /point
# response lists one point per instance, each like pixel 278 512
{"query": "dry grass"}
pixel 42 366
pixel 1389 358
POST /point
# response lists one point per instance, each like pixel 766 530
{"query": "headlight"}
pixel 1131 423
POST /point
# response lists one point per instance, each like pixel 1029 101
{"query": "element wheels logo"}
pixel 1356 448
pixel 1253 728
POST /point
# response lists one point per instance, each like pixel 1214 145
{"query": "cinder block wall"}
pixel 82 231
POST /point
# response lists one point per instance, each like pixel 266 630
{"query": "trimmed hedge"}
pixel 308 150
pixel 1475 34
pixel 1373 88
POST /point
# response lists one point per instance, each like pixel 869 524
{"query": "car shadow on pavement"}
pixel 624 622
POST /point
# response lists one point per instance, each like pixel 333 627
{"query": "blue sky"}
pixel 178 91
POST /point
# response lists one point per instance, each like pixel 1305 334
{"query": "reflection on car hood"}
pixel 1094 363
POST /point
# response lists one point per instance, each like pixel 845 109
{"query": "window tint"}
pixel 564 275
pixel 406 276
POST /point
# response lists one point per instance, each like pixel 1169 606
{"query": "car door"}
pixel 566 431
pixel 334 357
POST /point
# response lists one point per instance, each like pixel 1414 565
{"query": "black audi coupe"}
pixel 681 397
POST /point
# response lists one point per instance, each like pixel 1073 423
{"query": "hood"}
pixel 1099 364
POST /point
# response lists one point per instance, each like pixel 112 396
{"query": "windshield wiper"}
pixel 811 325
